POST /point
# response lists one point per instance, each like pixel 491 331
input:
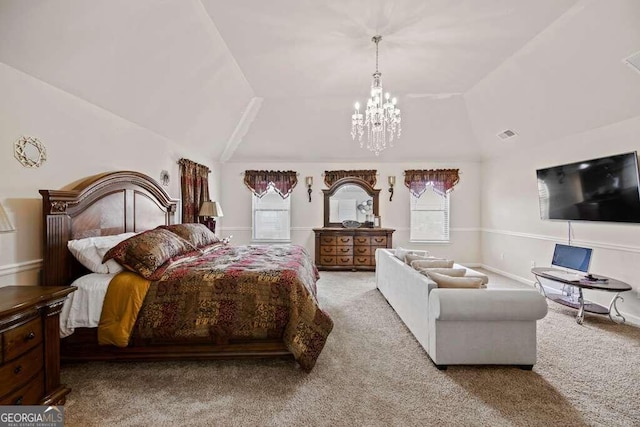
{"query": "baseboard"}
pixel 507 274
pixel 19 267
pixel 630 319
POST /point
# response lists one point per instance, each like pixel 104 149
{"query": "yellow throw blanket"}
pixel 122 304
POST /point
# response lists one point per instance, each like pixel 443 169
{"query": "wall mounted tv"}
pixel 604 189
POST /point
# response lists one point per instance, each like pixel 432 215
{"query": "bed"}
pixel 238 282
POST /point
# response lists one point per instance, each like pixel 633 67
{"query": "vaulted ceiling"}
pixel 248 80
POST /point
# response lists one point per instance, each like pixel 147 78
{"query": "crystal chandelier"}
pixel 382 117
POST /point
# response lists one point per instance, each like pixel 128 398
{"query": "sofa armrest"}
pixel 486 304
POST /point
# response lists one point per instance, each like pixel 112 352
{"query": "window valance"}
pixel 442 180
pixel 366 175
pixel 283 181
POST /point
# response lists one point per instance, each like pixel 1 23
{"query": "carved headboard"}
pixel 101 205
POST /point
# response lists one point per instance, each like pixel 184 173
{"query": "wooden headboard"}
pixel 101 205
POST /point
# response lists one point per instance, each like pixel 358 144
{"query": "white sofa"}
pixel 462 326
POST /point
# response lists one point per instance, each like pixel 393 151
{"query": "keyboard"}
pixel 564 275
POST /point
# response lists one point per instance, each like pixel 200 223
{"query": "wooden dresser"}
pixel 30 345
pixel 350 248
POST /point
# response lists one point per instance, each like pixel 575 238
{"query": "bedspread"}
pixel 243 292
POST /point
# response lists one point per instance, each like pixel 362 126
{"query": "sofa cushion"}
pixel 444 281
pixel 451 272
pixel 432 263
pixel 401 253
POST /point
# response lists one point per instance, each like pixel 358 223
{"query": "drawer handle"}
pixel 30 336
pixel 344 240
pixel 362 250
pixel 362 259
pixel 18 369
pixel 344 250
pixel 18 401
pixel 327 260
pixel 378 240
pixel 344 259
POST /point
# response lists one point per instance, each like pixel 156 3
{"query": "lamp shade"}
pixel 212 209
pixel 5 224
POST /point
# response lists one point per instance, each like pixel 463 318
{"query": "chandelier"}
pixel 382 117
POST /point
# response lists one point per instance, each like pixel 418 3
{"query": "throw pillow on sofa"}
pixel 409 258
pixel 444 281
pixel 451 272
pixel 432 263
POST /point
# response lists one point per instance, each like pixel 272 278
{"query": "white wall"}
pixel 81 140
pixel 465 204
pixel 514 235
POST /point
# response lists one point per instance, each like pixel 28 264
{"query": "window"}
pixel 271 217
pixel 429 217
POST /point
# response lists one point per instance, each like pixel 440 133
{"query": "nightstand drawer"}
pixel 361 260
pixel 362 250
pixel 328 240
pixel 328 260
pixel 379 240
pixel 17 372
pixel 344 260
pixel 344 240
pixel 327 250
pixel 30 394
pixel 362 240
pixel 22 338
pixel 344 250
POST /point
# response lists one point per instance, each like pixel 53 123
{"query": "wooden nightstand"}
pixel 30 345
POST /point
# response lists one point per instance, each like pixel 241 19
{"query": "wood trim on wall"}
pixel 19 267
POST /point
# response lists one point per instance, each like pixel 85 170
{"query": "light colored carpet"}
pixel 372 372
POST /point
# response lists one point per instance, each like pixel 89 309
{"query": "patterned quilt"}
pixel 238 293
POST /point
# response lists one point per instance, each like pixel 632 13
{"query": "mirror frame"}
pixel 337 185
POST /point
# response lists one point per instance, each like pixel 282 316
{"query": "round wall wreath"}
pixel 30 151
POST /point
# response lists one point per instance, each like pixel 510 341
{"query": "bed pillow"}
pixel 112 266
pixel 451 272
pixel 149 253
pixel 444 281
pixel 86 252
pixel 432 263
pixel 198 235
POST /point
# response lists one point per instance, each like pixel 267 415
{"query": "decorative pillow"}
pixel 149 253
pixel 444 281
pixel 198 235
pixel 86 250
pixel 409 257
pixel 401 253
pixel 451 272
pixel 432 263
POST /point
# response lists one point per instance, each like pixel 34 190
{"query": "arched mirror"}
pixel 350 199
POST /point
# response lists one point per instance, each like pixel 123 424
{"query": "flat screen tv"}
pixel 604 189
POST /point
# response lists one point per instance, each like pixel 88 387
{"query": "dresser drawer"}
pixel 344 240
pixel 327 240
pixel 379 240
pixel 344 250
pixel 22 338
pixel 344 260
pixel 327 250
pixel 327 260
pixel 17 372
pixel 361 260
pixel 362 240
pixel 29 394
pixel 362 250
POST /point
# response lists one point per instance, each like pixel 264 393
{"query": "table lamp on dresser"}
pixel 209 211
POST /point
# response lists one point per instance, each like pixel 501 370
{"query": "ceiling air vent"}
pixel 633 61
pixel 506 134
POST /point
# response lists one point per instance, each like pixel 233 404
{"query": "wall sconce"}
pixel 210 211
pixel 392 182
pixel 309 182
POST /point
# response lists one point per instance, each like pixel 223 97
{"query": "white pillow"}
pixel 400 253
pixel 86 251
pixel 111 264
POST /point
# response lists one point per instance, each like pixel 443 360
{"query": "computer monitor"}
pixel 572 257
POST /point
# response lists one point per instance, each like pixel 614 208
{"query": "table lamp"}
pixel 210 211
